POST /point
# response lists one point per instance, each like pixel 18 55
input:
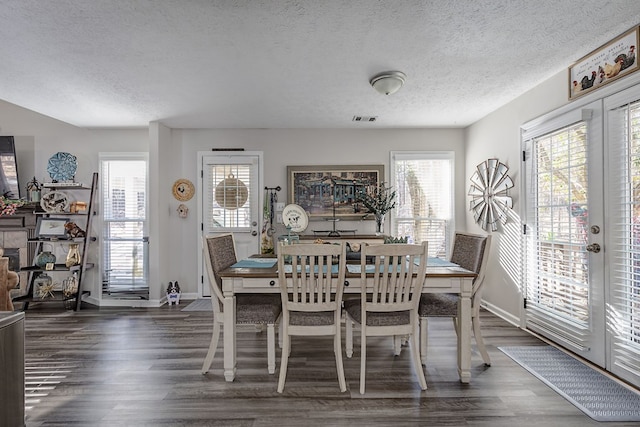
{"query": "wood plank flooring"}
pixel 141 367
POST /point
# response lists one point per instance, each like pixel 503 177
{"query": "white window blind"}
pixel 124 210
pixel 557 269
pixel 227 199
pixel 424 206
pixel 624 248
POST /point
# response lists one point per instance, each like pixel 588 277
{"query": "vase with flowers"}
pixel 380 201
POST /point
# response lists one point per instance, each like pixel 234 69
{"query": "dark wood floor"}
pixel 141 367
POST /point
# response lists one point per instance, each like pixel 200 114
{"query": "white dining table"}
pixel 259 275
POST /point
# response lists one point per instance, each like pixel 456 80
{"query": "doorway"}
pixel 230 199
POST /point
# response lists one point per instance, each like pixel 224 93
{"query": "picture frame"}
pixel 52 228
pixel 312 187
pixel 604 65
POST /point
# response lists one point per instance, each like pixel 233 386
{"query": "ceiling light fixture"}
pixel 389 82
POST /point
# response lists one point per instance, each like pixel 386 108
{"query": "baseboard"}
pixel 509 317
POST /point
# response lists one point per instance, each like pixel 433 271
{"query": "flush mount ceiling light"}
pixel 389 82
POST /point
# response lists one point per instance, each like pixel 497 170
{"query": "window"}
pixel 424 203
pixel 124 243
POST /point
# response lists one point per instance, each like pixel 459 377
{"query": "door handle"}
pixel 593 247
pixel 254 233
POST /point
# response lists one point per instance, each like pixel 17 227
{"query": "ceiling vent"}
pixel 364 118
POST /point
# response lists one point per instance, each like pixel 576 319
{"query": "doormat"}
pixel 199 305
pixel 595 394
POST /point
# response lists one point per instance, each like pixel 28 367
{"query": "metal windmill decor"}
pixel 489 194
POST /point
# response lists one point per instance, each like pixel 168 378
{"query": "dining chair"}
pixel 470 251
pixel 388 304
pixel 259 309
pixel 311 288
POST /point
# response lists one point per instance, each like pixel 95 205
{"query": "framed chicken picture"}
pixel 608 63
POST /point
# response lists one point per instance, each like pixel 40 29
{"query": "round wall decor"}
pixel 489 194
pixel 231 193
pixel 183 190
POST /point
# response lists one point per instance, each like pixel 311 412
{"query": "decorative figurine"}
pixel 173 293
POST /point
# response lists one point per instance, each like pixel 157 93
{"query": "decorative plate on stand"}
pixel 55 202
pixel 295 218
pixel 62 167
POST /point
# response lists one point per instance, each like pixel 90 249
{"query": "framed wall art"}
pixel 608 63
pixel 331 191
pixel 51 227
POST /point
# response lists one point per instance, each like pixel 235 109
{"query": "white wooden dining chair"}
pixel 388 304
pixel 311 288
pixel 259 309
pixel 470 251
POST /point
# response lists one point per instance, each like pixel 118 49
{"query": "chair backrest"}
pixel 311 282
pixel 471 251
pixel 398 276
pixel 219 253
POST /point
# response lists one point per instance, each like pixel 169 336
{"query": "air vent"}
pixel 364 118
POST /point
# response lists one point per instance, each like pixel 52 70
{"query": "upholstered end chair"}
pixel 470 251
pixel 257 309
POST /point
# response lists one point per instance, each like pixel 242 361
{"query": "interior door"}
pixel 230 195
pixel 564 232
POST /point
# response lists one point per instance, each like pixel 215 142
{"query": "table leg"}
pixel 464 331
pixel 229 336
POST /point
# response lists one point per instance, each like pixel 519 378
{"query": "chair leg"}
pixel 280 334
pixel 337 349
pixel 424 335
pixel 271 348
pixel 415 354
pixel 397 344
pixel 215 336
pixel 363 359
pixel 348 326
pixel 284 359
pixel 475 323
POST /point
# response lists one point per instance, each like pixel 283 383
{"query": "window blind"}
pixel 227 198
pixel 557 205
pixel 623 316
pixel 424 206
pixel 124 210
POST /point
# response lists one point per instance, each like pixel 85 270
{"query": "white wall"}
pixel 173 155
pixel 283 147
pixel 38 137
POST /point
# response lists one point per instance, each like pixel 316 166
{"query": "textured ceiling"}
pixel 289 64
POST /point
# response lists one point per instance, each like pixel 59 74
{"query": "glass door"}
pixel 230 201
pixel 124 215
pixel 564 232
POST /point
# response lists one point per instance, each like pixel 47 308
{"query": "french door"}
pixel 582 232
pixel 564 231
pixel 230 200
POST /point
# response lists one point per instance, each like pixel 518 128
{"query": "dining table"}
pixel 259 274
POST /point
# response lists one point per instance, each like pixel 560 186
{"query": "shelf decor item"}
pixel 62 167
pixel 73 256
pixel 34 190
pixel 55 202
pixel 51 228
pixel 45 257
pixel 43 287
